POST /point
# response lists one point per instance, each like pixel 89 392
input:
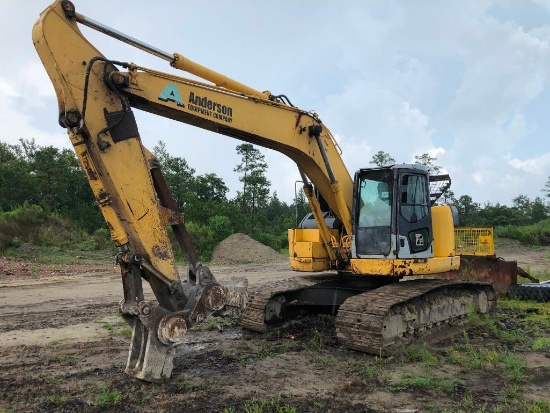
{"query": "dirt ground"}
pixel 63 348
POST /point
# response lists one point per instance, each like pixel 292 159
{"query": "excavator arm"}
pixel 95 100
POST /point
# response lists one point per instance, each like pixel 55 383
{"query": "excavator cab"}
pixel 392 218
pixel 396 229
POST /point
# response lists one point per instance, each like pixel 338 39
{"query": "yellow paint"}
pixel 404 267
pixel 443 231
pixel 119 175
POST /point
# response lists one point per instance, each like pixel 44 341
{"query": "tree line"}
pixel 52 180
pixel 41 183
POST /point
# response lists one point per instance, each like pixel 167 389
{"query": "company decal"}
pixel 198 104
pixel 210 108
pixel 171 94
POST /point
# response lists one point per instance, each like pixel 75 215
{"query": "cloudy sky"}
pixel 466 81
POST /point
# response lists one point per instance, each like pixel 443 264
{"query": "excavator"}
pixel 374 251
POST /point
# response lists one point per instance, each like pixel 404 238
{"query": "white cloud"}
pixel 8 89
pixel 452 79
pixel 538 165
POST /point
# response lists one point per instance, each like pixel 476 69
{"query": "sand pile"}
pixel 241 249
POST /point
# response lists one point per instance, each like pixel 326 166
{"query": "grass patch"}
pixel 538 406
pixel 52 255
pixel 512 394
pixel 316 342
pixel 530 316
pixel 127 331
pixel 325 361
pixel 441 385
pixel 110 398
pixel 184 384
pixel 107 326
pixel 488 358
pixel 265 350
pixel 213 323
pixel 56 399
pixel 56 381
pixel 541 344
pixel 367 371
pixel 273 405
pixel 67 359
pixel 415 353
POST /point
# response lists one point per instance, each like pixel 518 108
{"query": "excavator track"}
pixel 384 320
pixel 264 301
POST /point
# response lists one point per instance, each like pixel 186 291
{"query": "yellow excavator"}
pixel 365 233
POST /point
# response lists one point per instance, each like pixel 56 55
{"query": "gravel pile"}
pixel 241 249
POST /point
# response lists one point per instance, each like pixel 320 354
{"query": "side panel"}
pixel 403 268
pixel 443 231
pixel 306 250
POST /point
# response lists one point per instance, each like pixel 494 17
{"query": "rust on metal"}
pixel 172 329
pixel 103 198
pixel 499 273
pixel 258 297
pixel 180 231
pixel 236 295
pixel 88 166
pixel 525 274
pixel 214 298
pixel 160 252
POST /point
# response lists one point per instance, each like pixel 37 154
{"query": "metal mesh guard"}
pixel 474 241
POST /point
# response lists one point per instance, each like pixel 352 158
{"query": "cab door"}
pixel 414 223
pixel 374 214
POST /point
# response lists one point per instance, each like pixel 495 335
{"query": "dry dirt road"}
pixel 63 348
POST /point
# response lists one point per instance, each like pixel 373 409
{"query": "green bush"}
pixel 536 234
pixel 268 239
pixel 202 237
pixel 277 242
pixel 102 239
pixel 27 216
pixel 221 227
pixel 509 231
pixel 31 224
pixel 8 232
pixel 20 224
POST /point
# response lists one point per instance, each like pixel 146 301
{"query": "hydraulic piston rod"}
pixel 176 60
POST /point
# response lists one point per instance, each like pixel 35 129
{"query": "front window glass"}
pixel 414 197
pixel 375 199
pixel 374 220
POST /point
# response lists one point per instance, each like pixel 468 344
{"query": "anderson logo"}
pixel 198 104
pixel 171 94
pixel 209 107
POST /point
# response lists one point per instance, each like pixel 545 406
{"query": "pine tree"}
pixel 255 184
